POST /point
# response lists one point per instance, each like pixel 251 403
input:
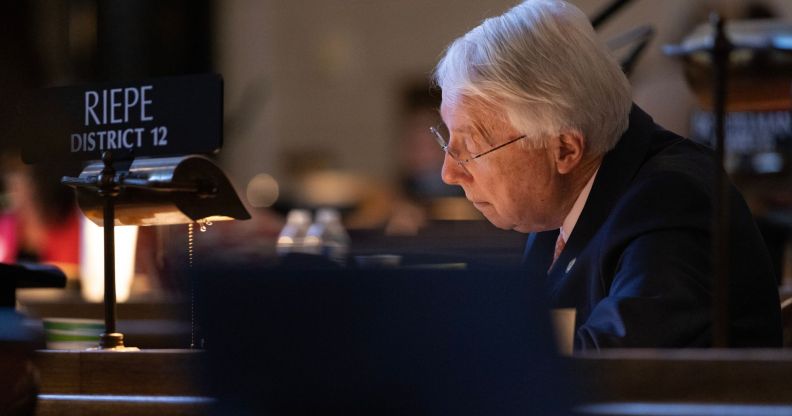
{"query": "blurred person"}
pixel 39 222
pixel 420 188
pixel 544 139
pixel 418 157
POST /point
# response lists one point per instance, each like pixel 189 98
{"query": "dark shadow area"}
pixel 410 341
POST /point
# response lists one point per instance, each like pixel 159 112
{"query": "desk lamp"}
pixel 149 191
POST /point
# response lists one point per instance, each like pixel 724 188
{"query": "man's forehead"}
pixel 465 112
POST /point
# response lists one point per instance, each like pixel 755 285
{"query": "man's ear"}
pixel 570 151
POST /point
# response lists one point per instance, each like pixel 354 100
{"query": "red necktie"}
pixel 559 247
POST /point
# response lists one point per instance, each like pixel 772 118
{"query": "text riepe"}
pixel 118 106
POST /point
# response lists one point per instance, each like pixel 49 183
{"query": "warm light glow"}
pixel 92 260
pixel 262 191
pixel 332 189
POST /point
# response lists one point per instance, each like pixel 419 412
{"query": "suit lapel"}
pixel 539 252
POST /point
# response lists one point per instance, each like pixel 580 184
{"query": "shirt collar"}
pixel 574 214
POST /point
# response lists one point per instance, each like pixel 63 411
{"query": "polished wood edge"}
pixel 769 354
pixel 175 351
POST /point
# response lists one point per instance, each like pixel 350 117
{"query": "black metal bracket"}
pixel 721 49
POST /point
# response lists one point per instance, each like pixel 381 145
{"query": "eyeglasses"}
pixel 443 142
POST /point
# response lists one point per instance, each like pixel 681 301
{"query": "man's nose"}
pixel 453 173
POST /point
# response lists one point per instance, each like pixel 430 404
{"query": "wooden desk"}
pixel 148 382
pixel 167 382
pixel 704 376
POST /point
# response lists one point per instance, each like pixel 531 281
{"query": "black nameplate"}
pixel 159 117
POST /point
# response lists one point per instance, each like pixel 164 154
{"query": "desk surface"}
pixel 729 376
pixel 692 376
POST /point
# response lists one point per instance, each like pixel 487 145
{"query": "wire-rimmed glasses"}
pixel 443 142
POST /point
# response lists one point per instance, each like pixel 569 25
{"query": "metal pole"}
pixel 109 189
pixel 109 265
pixel 720 226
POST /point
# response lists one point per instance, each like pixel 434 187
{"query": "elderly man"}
pixel 541 134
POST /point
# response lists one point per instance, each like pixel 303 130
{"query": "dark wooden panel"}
pixel 713 376
pixel 666 376
pixel 59 372
pixel 146 372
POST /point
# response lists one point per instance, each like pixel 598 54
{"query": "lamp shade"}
pixel 161 191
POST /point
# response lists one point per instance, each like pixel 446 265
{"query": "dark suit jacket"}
pixel 637 266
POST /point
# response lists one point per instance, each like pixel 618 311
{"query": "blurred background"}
pixel 328 104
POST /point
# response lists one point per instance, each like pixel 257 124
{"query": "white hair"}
pixel 543 62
